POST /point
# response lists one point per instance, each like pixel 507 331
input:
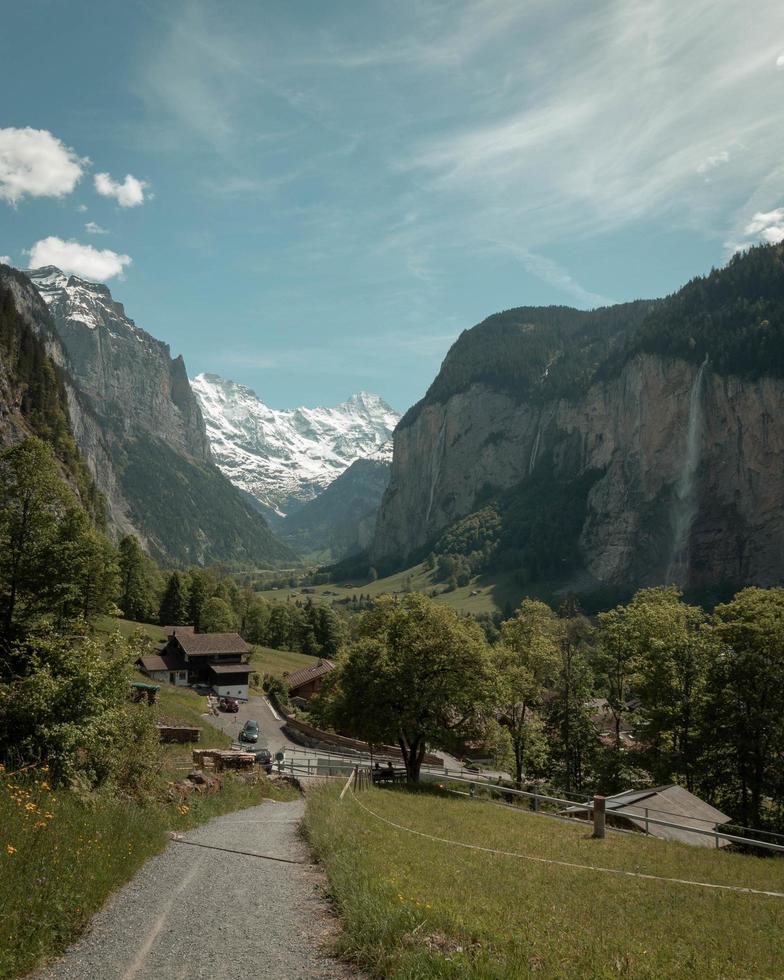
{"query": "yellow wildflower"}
pixel 30 806
pixel 11 850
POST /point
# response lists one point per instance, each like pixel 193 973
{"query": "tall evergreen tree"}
pixel 197 597
pixel 174 605
pixel 136 595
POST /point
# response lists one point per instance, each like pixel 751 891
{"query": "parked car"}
pixel 231 705
pixel 264 759
pixel 250 732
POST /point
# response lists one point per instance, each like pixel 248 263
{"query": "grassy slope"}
pixel 414 907
pixel 278 662
pixel 127 627
pixel 493 595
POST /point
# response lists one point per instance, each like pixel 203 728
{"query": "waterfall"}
pixel 435 466
pixel 685 506
pixel 535 450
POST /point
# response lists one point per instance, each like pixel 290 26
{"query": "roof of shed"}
pixel 305 674
pixel 231 669
pixel 671 804
pixel 165 660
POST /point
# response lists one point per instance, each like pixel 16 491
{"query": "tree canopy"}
pixel 416 674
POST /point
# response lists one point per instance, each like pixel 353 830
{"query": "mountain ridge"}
pixel 286 457
pixel 131 406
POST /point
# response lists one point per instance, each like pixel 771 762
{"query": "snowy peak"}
pixel 284 457
pixel 78 301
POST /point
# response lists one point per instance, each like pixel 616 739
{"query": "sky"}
pixel 316 198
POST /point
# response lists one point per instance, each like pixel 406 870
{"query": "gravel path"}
pixel 197 912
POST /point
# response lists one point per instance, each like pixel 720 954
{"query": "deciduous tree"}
pixel 417 674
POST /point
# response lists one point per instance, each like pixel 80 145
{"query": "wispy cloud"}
pixel 92 228
pixel 551 272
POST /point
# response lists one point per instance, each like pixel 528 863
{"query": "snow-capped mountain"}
pixel 284 457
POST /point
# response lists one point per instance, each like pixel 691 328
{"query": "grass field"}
pixel 278 662
pixel 127 627
pixel 490 594
pixel 413 907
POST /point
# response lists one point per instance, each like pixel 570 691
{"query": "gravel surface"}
pixel 197 912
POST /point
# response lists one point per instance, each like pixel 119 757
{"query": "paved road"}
pixel 194 912
pixel 258 709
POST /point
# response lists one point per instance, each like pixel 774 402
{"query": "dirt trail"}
pixel 207 911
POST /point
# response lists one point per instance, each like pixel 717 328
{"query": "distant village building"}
pixel 216 659
pixel 307 681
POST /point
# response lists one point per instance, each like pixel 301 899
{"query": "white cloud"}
pixel 91 263
pixel 128 194
pixel 765 226
pixel 81 208
pixel 763 220
pixel 92 228
pixel 780 61
pixel 5 259
pixel 36 163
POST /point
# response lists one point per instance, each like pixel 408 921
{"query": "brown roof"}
pixel 166 660
pixel 171 630
pixel 231 669
pixel 204 644
pixel 305 674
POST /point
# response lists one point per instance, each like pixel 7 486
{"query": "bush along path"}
pixel 235 897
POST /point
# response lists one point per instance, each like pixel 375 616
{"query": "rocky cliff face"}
pixel 84 423
pixel 128 376
pixel 683 464
pixel 139 426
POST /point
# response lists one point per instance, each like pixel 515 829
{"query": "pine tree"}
pixel 174 605
pixel 136 598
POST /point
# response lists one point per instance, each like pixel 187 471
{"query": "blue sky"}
pixel 323 195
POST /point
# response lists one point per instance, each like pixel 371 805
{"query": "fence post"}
pixel 598 816
pixel 535 800
pixel 646 820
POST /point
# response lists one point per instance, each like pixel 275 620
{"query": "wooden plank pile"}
pixel 221 759
pixel 178 733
